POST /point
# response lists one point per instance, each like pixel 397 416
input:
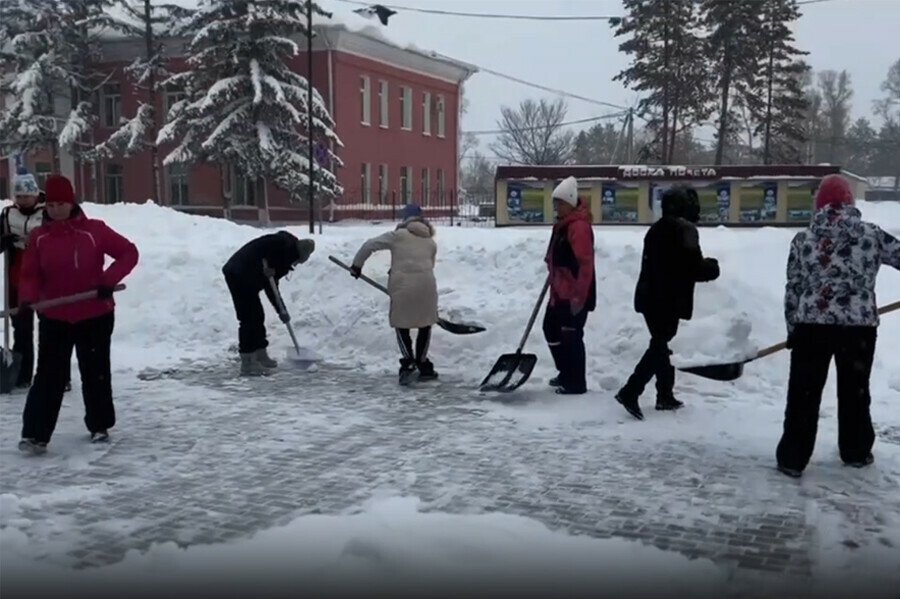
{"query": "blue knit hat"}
pixel 412 210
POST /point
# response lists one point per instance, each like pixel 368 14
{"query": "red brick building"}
pixel 396 111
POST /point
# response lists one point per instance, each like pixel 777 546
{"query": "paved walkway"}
pixel 203 457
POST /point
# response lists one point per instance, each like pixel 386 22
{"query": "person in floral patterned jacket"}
pixel 831 311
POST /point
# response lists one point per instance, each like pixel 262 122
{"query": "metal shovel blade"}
pixel 509 373
pixel 718 372
pixel 10 364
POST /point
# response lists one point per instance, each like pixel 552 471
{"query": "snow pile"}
pixel 177 306
pixel 393 545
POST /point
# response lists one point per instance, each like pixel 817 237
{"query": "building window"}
pixel 406 108
pixel 426 113
pixel 383 104
pixel 440 185
pixel 177 177
pixel 4 188
pixel 365 176
pixel 114 189
pixel 112 105
pixel 365 98
pixel 42 170
pixel 440 116
pixel 172 97
pixel 382 183
pixel 247 191
pixel 405 187
pixel 426 181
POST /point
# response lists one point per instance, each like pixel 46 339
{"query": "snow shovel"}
pixel 733 370
pixel 455 328
pixel 302 356
pixel 518 364
pixel 11 362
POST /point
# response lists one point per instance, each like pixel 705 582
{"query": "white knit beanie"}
pixel 567 191
pixel 25 185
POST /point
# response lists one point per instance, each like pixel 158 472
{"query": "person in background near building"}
pixel 671 265
pixel 831 311
pixel 411 286
pixel 17 221
pixel 66 256
pixel 247 273
pixel 573 288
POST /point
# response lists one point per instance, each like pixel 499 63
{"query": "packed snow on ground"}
pixel 389 544
pixel 177 309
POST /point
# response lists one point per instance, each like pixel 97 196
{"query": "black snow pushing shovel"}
pixel 733 370
pixel 457 328
pixel 512 370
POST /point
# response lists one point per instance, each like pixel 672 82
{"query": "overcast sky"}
pixel 582 57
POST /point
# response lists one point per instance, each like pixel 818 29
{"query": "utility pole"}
pixel 309 110
pixel 630 138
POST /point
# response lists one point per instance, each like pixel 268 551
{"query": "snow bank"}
pixel 392 545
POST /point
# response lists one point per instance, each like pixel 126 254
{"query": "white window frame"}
pixel 112 105
pixel 384 104
pixel 440 185
pixel 441 113
pixel 426 183
pixel 383 182
pixel 406 109
pixel 365 177
pixel 116 180
pixel 365 99
pixel 426 113
pixel 405 187
pixel 172 97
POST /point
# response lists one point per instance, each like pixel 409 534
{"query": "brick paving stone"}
pixel 299 444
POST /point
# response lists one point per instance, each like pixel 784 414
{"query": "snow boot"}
pixel 262 356
pixel 560 390
pixel 407 371
pixel 554 382
pixel 668 403
pixel 33 447
pixel 426 371
pixel 792 472
pixel 250 365
pixel 100 437
pixel 630 403
pixel 867 461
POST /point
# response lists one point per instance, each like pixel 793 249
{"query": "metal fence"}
pixel 456 209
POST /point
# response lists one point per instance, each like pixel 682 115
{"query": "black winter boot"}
pixel 407 370
pixel 668 402
pixel 555 382
pixel 426 371
pixel 630 403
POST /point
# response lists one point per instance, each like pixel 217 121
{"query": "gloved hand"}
pixel 713 265
pixel 790 340
pixel 285 317
pixel 105 291
pixel 7 241
pixel 355 271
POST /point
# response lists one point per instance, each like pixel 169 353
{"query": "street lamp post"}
pixel 309 109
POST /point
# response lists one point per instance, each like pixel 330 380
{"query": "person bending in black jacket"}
pixel 247 273
pixel 671 265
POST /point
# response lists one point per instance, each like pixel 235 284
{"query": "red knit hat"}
pixel 834 190
pixel 59 189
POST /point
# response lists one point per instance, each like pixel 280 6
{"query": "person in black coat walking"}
pixel 247 273
pixel 671 265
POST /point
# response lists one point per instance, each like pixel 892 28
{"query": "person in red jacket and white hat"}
pixel 66 256
pixel 831 312
pixel 573 288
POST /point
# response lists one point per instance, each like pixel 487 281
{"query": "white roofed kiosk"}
pixel 751 195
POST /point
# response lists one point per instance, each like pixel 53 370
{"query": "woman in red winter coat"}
pixel 66 256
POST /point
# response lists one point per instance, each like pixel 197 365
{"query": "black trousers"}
pixel 23 340
pixel 91 339
pixel 853 350
pixel 423 340
pixel 250 314
pixel 655 362
pixel 565 337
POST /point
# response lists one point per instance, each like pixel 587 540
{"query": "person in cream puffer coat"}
pixel 411 285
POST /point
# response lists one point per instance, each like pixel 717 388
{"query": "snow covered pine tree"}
pixel 243 104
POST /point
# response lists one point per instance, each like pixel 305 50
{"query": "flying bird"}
pixel 376 10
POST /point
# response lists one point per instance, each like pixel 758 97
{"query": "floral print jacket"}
pixel 832 268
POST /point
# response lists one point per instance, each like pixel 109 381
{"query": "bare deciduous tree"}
pixel 533 133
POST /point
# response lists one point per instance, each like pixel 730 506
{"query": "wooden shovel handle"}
pixel 66 299
pixel 780 346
